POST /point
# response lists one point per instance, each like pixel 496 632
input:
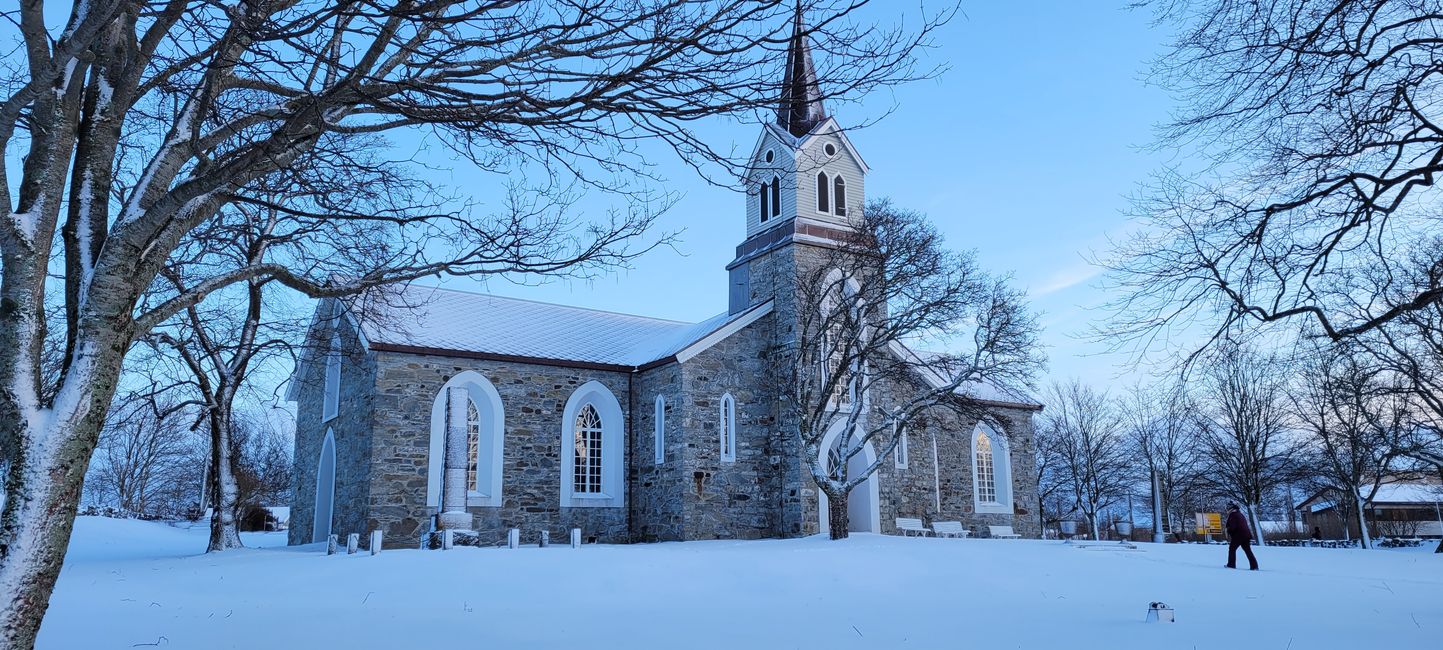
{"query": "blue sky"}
pixel 1025 150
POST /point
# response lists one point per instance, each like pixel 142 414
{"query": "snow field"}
pixel 132 582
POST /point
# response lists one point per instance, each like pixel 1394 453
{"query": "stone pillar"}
pixel 453 478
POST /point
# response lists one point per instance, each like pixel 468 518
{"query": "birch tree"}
pixel 888 284
pixel 128 124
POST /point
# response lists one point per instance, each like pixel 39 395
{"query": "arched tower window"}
pixel 991 471
pixel 764 199
pixel 776 197
pixel 839 196
pixel 587 464
pixel 822 188
pixel 728 426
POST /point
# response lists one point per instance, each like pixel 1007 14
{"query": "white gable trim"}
pixel 836 129
pixel 723 332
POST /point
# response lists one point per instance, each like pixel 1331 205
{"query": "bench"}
pixel 909 526
pixel 949 529
pixel 1002 532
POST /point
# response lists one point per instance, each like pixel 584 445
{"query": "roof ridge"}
pixel 593 310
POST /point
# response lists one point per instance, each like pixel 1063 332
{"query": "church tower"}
pixel 804 181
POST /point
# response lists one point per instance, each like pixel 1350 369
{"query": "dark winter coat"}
pixel 1237 526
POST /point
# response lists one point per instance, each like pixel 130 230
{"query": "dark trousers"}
pixel 1247 547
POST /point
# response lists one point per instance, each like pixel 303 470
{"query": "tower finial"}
pixel 801 107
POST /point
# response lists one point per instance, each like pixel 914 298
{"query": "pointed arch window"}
pixel 839 196
pixel 764 208
pixel 587 465
pixel 822 188
pixel 776 197
pixel 986 471
pixel 728 428
pixel 903 455
pixel 991 471
pixel 660 433
pixel 330 401
pixel 473 444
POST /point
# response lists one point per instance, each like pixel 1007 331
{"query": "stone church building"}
pixel 632 429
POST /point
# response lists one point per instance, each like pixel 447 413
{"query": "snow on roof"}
pixel 1409 493
pixel 984 391
pixel 447 319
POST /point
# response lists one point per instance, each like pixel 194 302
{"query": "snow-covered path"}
pixel 130 582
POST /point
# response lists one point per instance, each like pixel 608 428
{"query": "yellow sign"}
pixel 1209 523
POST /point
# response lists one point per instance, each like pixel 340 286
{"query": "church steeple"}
pixel 801 107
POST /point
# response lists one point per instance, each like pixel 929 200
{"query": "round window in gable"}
pixel 831 149
pixel 770 156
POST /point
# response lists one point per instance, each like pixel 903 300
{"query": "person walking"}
pixel 1239 535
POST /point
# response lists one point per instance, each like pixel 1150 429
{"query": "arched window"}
pixel 484 428
pixel 986 476
pixel 991 471
pixel 330 401
pixel 822 189
pixel 592 439
pixel 728 426
pixel 659 435
pixel 776 197
pixel 903 455
pixel 763 196
pixel 587 464
pixel 473 444
pixel 839 196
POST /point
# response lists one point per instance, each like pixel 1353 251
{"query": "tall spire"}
pixel 801 107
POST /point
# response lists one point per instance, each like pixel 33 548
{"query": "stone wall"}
pixel 736 499
pixel 657 491
pixel 351 429
pixel 533 398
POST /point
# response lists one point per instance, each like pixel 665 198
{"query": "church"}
pixel 484 413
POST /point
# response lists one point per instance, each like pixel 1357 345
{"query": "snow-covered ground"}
pixel 130 582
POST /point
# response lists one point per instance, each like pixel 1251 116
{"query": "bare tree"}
pixel 1312 153
pixel 1162 429
pixel 1087 431
pixel 887 284
pixel 147 454
pixel 1053 496
pixel 1357 425
pixel 140 121
pixel 1243 421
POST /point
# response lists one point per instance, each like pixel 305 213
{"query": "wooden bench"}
pixel 909 526
pixel 1002 532
pixel 949 529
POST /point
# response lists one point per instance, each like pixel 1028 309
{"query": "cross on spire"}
pixel 801 107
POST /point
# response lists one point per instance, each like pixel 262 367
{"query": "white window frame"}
pixel 613 437
pixel 331 397
pixel 1001 471
pixel 659 431
pixel 902 455
pixel 727 428
pixel 490 447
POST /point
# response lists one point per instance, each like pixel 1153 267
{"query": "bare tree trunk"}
pixel 225 493
pixel 837 516
pixel 1257 524
pixel 1365 538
